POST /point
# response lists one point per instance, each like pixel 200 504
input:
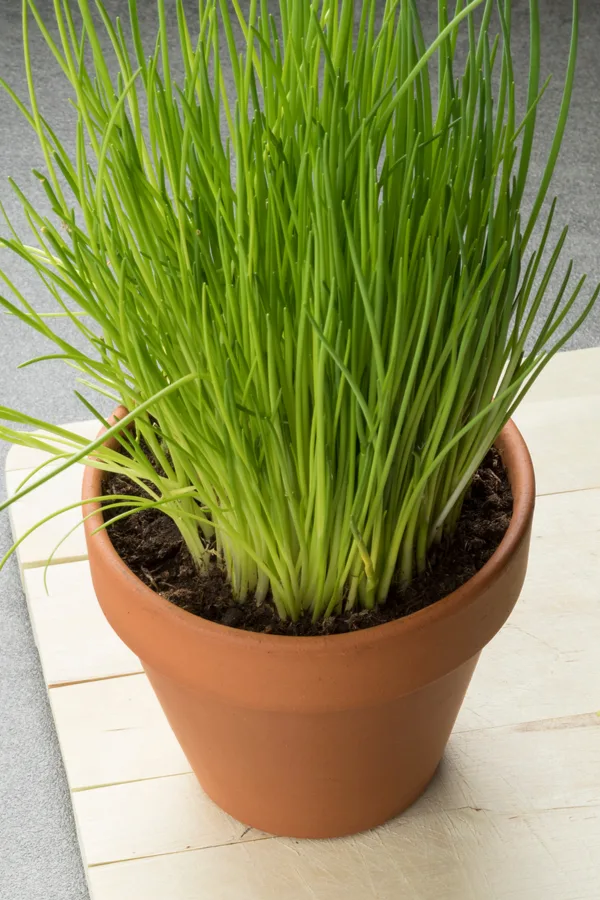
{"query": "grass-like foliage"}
pixel 316 296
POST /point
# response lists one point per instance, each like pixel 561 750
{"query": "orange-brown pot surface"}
pixel 316 736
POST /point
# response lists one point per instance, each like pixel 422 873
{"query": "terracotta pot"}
pixel 317 736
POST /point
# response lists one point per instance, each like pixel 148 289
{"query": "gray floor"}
pixel 39 859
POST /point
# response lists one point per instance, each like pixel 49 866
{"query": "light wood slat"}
pixel 114 731
pixel 572 374
pixel 563 437
pixel 61 491
pixel 74 640
pixel 66 578
pixel 522 769
pixel 545 661
pixel 517 770
pixel 462 855
pixel 28 457
pixel 148 818
pixel 567 516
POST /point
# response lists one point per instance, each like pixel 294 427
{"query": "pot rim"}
pixel 510 443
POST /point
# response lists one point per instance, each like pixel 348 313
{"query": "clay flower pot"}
pixel 316 736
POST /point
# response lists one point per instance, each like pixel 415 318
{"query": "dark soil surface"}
pixel 150 543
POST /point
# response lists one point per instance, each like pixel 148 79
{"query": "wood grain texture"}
pixel 573 374
pixel 74 640
pixel 519 770
pixel 563 437
pixel 151 818
pixel 28 458
pixel 544 663
pixel 61 491
pixel 114 731
pixel 462 855
pixel 64 579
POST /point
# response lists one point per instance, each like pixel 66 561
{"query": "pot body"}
pixel 316 736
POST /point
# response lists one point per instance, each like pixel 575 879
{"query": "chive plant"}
pixel 315 294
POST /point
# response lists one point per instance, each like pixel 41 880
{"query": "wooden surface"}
pixel 514 811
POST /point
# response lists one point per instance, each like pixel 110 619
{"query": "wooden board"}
pixel 514 811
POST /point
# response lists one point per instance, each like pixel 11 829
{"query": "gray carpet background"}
pixel 39 857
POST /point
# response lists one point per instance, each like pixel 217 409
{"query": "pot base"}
pixel 292 776
pixel 271 828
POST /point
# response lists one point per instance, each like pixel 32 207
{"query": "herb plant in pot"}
pixel 314 301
